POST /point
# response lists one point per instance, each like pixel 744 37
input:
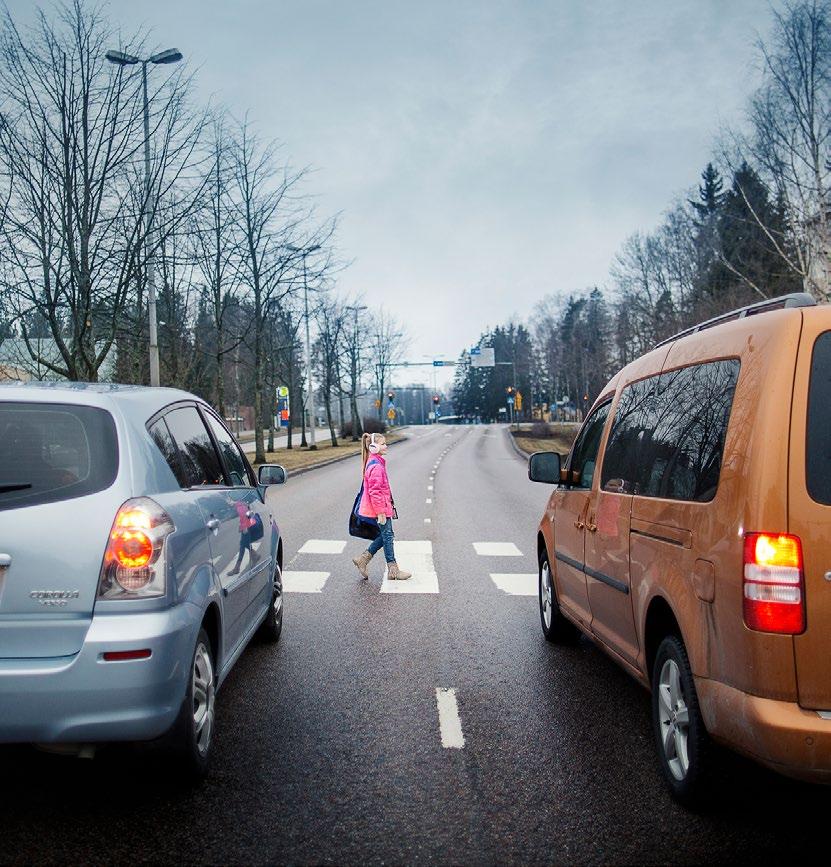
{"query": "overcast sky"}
pixel 482 153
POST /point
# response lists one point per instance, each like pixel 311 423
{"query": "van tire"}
pixel 272 627
pixel 556 627
pixel 691 772
pixel 186 739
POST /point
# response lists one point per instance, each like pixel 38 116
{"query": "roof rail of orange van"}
pixel 795 299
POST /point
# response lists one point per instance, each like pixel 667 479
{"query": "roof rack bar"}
pixel 795 299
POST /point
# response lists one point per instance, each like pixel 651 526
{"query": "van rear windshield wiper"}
pixel 5 489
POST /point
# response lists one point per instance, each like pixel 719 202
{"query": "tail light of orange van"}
pixel 134 563
pixel 774 587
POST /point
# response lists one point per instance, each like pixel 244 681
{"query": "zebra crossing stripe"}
pixel 304 582
pixel 516 584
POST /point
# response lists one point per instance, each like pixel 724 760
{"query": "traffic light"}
pixel 436 399
pixel 510 391
pixel 391 396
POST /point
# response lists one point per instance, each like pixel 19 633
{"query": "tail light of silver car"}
pixel 773 587
pixel 134 563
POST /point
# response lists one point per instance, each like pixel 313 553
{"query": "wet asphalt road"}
pixel 328 747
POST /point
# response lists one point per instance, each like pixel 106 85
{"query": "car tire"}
pixel 192 734
pixel 556 627
pixel 272 627
pixel 685 751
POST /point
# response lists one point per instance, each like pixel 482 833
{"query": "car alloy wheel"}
pixel 674 719
pixel 204 698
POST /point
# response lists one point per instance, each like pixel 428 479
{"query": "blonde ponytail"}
pixel 364 452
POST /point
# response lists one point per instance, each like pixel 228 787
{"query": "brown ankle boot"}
pixel 396 574
pixel 362 562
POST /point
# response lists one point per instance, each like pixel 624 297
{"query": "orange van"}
pixel 689 536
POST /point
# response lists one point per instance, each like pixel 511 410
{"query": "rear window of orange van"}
pixel 818 445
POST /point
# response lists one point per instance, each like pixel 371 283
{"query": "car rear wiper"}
pixel 4 489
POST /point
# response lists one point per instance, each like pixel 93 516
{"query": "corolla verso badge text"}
pixel 53 598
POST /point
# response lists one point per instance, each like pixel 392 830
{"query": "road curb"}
pixel 523 455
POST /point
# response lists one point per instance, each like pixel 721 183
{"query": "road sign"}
pixel 484 358
pixel 377 404
pixel 283 408
pixel 510 401
pixel 391 413
pixel 475 350
pixel 442 363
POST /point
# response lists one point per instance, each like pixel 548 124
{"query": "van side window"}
pixel 668 436
pixel 584 453
pixel 818 443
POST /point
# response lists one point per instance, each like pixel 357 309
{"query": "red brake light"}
pixel 773 583
pixel 134 564
pixel 125 655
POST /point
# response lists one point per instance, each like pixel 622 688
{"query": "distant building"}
pixel 17 364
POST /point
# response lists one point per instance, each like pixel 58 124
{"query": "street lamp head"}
pixel 169 55
pixel 121 58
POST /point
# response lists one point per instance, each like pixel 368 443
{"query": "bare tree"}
pixel 70 131
pixel 387 345
pixel 355 344
pixel 331 322
pixel 270 214
pixel 791 121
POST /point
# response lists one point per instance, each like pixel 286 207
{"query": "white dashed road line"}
pixel 304 582
pixel 497 549
pixel 450 724
pixel 323 546
pixel 516 585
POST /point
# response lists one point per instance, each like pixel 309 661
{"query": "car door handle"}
pixel 579 524
pixel 592 528
pixel 212 524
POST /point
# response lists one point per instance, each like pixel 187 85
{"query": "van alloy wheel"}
pixel 546 594
pixel 555 626
pixel 674 719
pixel 203 698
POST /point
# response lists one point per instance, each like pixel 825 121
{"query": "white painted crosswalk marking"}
pixel 323 546
pixel 304 582
pixel 516 585
pixel 497 549
pixel 450 723
pixel 415 557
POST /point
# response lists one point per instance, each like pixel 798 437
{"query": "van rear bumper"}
pixel 83 698
pixel 779 734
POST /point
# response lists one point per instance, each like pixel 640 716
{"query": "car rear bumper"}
pixel 780 734
pixel 83 698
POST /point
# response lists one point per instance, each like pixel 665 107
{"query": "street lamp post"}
pixel 356 308
pixel 304 251
pixel 170 55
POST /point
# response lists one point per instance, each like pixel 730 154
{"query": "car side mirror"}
pixel 271 474
pixel 544 467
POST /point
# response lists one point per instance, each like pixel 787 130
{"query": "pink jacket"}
pixel 377 497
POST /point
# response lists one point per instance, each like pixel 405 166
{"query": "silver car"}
pixel 138 557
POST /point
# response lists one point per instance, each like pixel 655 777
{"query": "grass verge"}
pixel 560 443
pixel 300 458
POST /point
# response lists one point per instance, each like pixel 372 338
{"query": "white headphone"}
pixel 373 446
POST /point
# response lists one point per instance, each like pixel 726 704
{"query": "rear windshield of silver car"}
pixel 818 445
pixel 51 452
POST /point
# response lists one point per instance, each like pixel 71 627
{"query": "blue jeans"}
pixel 384 541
